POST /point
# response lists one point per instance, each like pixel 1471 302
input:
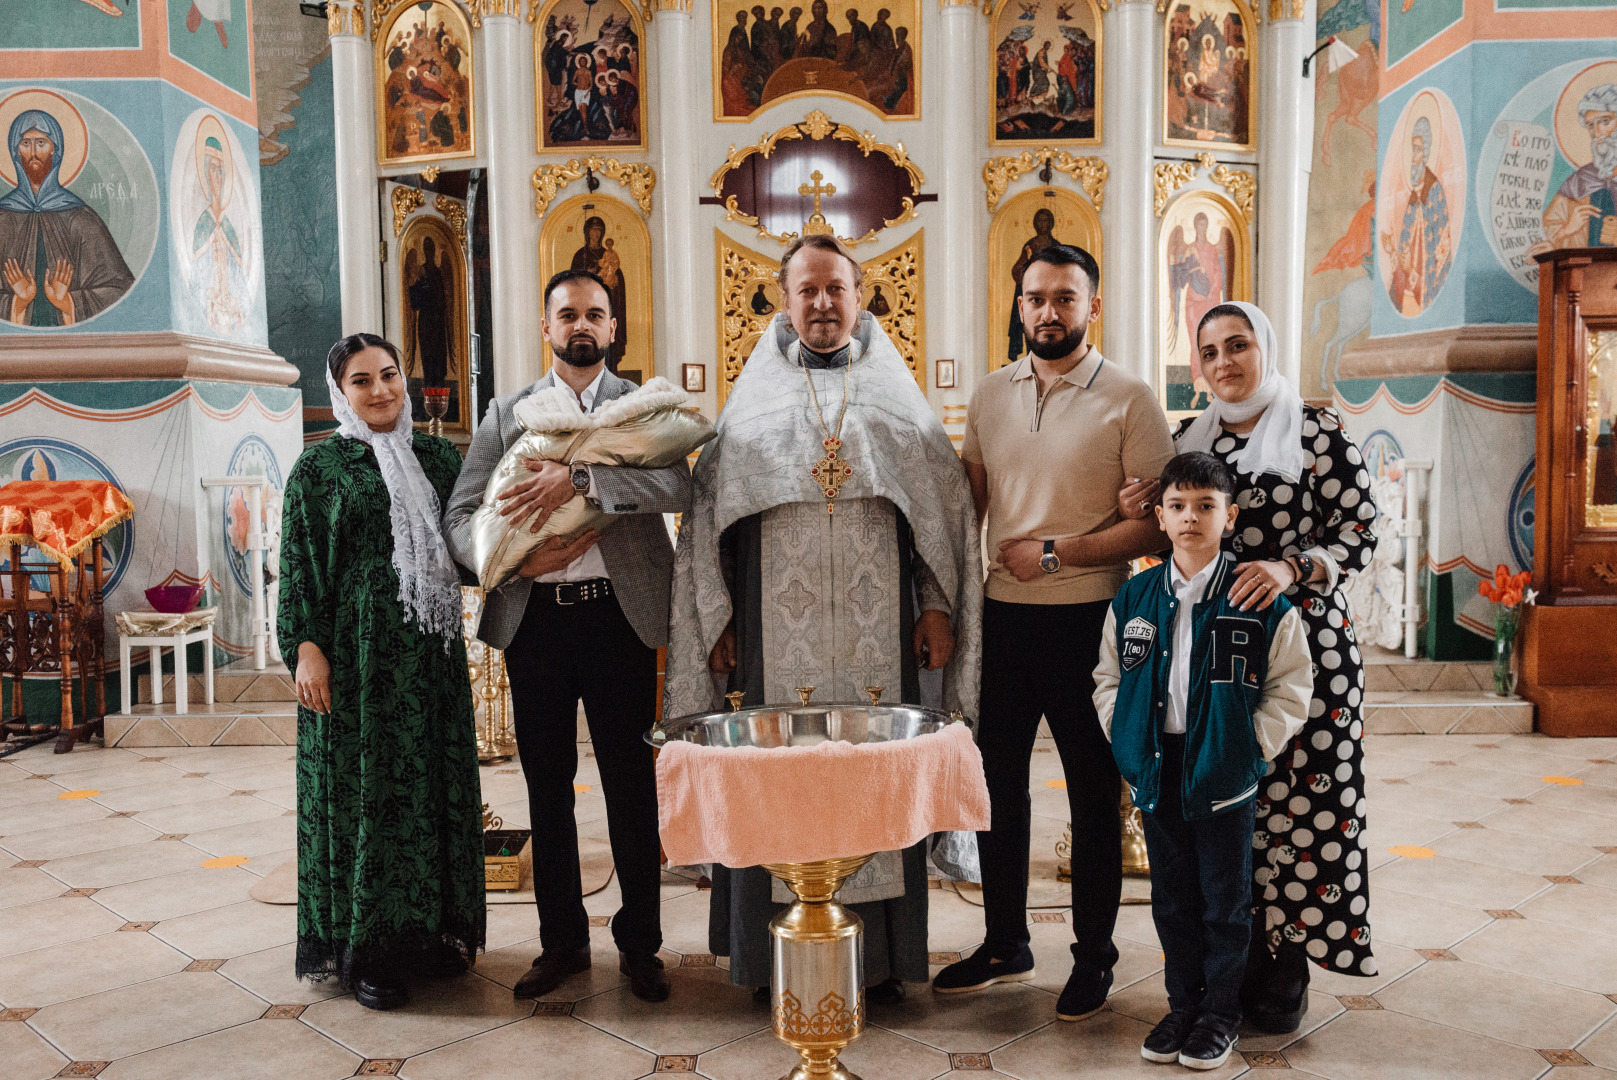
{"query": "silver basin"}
pixel 770 726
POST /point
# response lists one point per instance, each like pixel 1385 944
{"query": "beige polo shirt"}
pixel 1055 465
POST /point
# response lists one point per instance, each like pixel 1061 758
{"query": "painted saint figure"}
pixel 1584 210
pixel 1044 225
pixel 1423 252
pixel 218 271
pixel 598 257
pixel 58 262
pixel 428 341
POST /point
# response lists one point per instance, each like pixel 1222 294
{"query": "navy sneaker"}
pixel 1084 994
pixel 1207 1047
pixel 982 969
pixel 1168 1037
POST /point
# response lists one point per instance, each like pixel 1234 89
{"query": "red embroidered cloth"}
pixel 61 517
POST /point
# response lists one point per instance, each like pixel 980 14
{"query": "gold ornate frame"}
pixel 460 332
pixel 740 271
pixel 816 125
pixel 384 14
pixel 548 180
pixel 1091 172
pixel 1164 8
pixel 718 77
pixel 1239 285
pixel 1001 289
pixel 536 16
pixel 992 10
pixel 1169 176
pixel 633 244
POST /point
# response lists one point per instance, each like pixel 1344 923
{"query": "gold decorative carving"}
pixel 548 180
pixel 1090 172
pixel 380 10
pixel 430 174
pixel 1601 350
pixel 743 275
pixel 455 214
pixel 1242 186
pixel 345 17
pixel 479 8
pixel 406 201
pixel 832 1017
pixel 1283 9
pixel 1170 176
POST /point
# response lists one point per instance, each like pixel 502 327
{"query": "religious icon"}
pixel 424 76
pixel 1583 212
pixel 433 336
pixel 60 264
pixel 1022 228
pixel 761 55
pixel 694 377
pixel 589 73
pixel 1208 71
pixel 1204 263
pixel 217 242
pixel 606 237
pixel 1047 71
pixel 1420 209
pixel 945 377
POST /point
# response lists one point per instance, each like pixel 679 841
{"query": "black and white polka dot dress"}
pixel 1311 880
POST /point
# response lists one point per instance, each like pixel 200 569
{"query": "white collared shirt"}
pixel 1188 593
pixel 589 565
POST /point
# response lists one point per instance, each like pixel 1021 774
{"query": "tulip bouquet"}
pixel 1510 592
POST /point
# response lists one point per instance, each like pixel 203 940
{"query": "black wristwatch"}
pixel 581 479
pixel 1304 565
pixel 1049 562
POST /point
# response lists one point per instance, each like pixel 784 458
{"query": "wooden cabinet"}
pixel 1569 644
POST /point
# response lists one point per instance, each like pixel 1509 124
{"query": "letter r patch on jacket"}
pixel 1138 636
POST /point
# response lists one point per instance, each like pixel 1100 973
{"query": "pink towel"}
pixel 745 805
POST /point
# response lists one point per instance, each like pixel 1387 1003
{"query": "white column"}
pixel 960 193
pixel 1128 296
pixel 679 108
pixel 507 107
pixel 359 239
pixel 1286 153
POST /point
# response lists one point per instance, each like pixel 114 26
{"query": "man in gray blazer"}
pixel 582 620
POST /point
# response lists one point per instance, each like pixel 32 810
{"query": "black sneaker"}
pixel 1168 1037
pixel 1084 995
pixel 1207 1047
pixel 981 970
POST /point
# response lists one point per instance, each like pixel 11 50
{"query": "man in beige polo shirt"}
pixel 1049 441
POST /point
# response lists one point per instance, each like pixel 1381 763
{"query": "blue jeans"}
pixel 1201 896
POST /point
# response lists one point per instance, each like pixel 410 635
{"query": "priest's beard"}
pixel 1065 345
pixel 581 352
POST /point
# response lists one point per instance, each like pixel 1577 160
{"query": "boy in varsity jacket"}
pixel 1197 693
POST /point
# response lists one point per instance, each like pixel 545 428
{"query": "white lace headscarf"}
pixel 429 586
pixel 1276 444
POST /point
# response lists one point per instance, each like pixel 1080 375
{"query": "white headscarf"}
pixel 429 587
pixel 1276 444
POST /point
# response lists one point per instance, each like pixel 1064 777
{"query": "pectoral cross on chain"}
pixel 831 472
pixel 816 222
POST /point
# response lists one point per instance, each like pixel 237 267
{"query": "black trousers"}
pixel 562 653
pixel 1201 896
pixel 1039 660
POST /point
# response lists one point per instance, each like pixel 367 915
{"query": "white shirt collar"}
pixel 1197 582
pixel 586 400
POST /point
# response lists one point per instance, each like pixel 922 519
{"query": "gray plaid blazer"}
pixel 636 549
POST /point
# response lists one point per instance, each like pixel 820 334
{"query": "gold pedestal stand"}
pixel 817 992
pixel 491 687
pixel 1135 861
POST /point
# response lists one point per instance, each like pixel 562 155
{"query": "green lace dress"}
pixel 390 858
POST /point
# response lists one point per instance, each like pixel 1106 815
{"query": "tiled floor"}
pixel 126 953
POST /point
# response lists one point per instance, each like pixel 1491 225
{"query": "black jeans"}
pixel 1039 660
pixel 562 653
pixel 1201 896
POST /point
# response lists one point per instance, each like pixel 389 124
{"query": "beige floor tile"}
pixel 1499 1004
pixel 26 885
pixel 84 756
pixel 1442 804
pixel 260 865
pixel 75 969
pixel 175 790
pixel 1601 1047
pixel 250 838
pixel 261 1050
pixel 1544 950
pixel 1514 851
pixel 1599 775
pixel 506 966
pixel 51 922
pixel 511 923
pixel 174 895
pixel 1587 798
pixel 23 792
pixel 1052 958
pixel 1603 872
pixel 1419 922
pixel 684 922
pixel 68 840
pixel 134 862
pixel 972 1023
pixel 1489 783
pixel 1456 882
pixel 1570 826
pixel 284 795
pixel 876 1053
pixel 953 925
pixel 702 1012
pixel 1393 766
pixel 1426 747
pixel 1578 1072
pixel 143 1016
pixel 267 774
pixel 1385 827
pixel 1576 748
pixel 440 1012
pixel 1107 1045
pixel 235 930
pixel 118 775
pixel 542 1045
pixel 1134 923
pixel 51 812
pixel 27 1056
pixel 1582 907
pixel 1527 761
pixel 1392 963
pixel 208 815
pixel 271 975
pixel 1386 1045
pixel 208 759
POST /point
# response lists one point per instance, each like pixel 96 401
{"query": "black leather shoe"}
pixel 1168 1037
pixel 647 981
pixel 1207 1047
pixel 890 992
pixel 550 969
pixel 983 969
pixel 381 993
pixel 441 960
pixel 760 994
pixel 1084 995
pixel 1278 1018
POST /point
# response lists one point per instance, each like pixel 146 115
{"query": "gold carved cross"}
pixel 816 222
pixel 831 472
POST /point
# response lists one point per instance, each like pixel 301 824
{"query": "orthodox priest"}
pixel 831 543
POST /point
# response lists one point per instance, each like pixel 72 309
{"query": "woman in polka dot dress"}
pixel 1304 525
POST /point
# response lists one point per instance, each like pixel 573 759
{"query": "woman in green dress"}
pixel 390 860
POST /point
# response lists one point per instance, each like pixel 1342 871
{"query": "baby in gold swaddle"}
pixel 649 428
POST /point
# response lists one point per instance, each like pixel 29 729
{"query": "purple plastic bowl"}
pixel 174 599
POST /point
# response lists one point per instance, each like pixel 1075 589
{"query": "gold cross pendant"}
pixel 831 472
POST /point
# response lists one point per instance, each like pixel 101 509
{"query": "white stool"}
pixel 156 631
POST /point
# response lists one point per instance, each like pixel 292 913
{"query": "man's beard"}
pixel 824 336
pixel 36 177
pixel 1417 169
pixel 581 352
pixel 1065 345
pixel 1605 151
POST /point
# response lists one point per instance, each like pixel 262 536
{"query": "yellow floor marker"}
pixel 580 789
pixel 87 792
pixel 1055 783
pixel 1410 851
pixel 224 861
pixel 1564 781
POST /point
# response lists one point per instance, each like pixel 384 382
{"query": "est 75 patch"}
pixel 1138 635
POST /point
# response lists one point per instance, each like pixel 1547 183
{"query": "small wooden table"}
pixel 156 631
